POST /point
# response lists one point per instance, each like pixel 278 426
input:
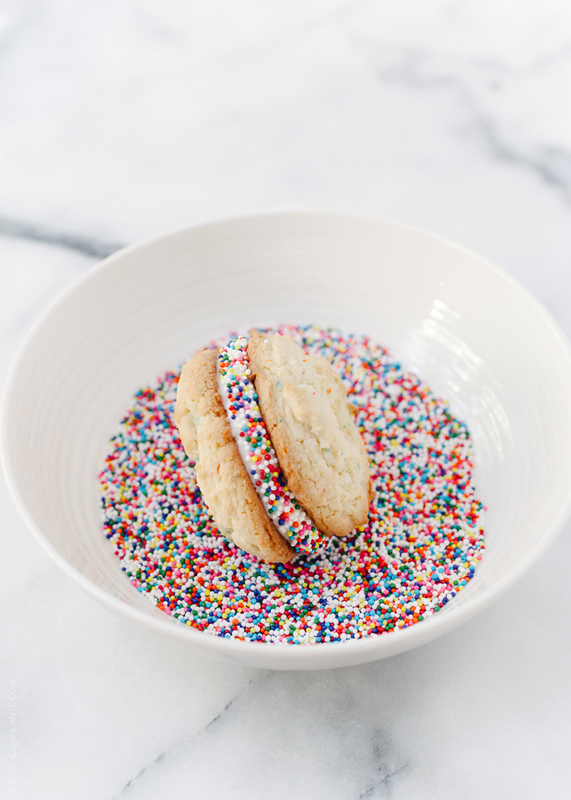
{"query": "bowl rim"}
pixel 324 654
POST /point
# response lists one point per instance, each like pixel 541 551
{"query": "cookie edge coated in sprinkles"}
pixel 240 400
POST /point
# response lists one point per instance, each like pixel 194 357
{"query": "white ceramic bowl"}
pixel 477 337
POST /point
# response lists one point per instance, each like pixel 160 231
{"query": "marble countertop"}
pixel 124 119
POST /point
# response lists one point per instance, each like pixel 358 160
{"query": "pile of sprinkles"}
pixel 260 459
pixel 420 547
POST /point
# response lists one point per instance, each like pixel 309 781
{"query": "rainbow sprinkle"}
pixel 422 543
pixel 249 430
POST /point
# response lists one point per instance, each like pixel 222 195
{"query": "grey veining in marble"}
pixel 122 120
pixel 37 233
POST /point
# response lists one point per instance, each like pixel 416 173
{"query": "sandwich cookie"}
pixel 279 460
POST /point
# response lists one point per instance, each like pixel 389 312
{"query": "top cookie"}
pixel 311 425
pixel 224 482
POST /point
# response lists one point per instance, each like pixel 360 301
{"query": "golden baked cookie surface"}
pixel 312 428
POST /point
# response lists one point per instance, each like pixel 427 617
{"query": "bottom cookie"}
pixel 224 482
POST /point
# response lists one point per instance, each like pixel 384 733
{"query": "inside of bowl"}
pixel 471 333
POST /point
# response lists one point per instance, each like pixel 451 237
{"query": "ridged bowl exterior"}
pixel 474 334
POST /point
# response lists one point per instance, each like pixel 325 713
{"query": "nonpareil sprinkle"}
pixel 420 547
